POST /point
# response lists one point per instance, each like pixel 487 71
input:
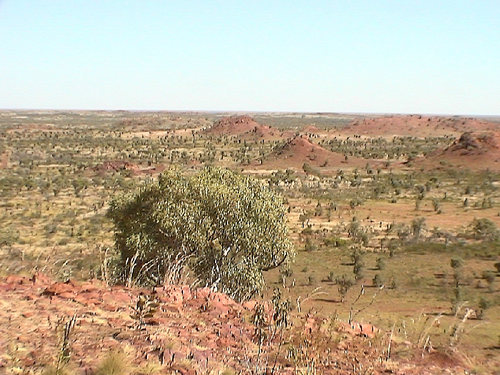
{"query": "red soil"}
pixel 4 160
pixel 311 129
pixel 417 125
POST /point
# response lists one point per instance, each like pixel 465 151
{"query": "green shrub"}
pixel 484 229
pixel 227 228
pixel 380 263
pixel 344 283
pixel 484 304
pixel 377 280
pixel 331 277
pixel 334 242
pixel 309 246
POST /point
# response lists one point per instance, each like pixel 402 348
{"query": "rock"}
pixel 57 289
pixel 172 308
pixel 67 295
pixel 13 279
pixel 218 308
pixel 250 305
pixel 40 279
pixel 116 297
pixel 183 370
pixel 203 293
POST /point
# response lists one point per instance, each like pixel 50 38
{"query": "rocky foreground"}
pixel 176 330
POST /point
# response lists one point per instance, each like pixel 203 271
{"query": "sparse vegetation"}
pixel 59 180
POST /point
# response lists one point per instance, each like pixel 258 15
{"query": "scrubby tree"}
pixel 484 304
pixel 457 264
pixel 497 266
pixel 436 205
pixel 358 260
pixel 380 263
pixel 225 227
pixel 484 229
pixel 417 226
pixel 309 246
pixel 378 281
pixel 357 232
pixel 344 283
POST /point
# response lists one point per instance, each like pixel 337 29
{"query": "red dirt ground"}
pixel 311 129
pixel 191 332
pixel 4 160
pixel 473 150
pixel 417 125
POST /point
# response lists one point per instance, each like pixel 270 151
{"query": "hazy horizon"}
pixel 388 57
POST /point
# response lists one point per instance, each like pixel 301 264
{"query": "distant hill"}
pixel 244 127
pixel 299 150
pixel 473 150
pixel 418 125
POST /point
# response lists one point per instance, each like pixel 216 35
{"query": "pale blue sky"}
pixel 421 56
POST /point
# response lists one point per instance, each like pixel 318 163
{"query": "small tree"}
pixel 457 265
pixel 489 276
pixel 344 283
pixel 436 205
pixel 358 260
pixel 309 246
pixel 377 280
pixel 380 263
pixel 225 227
pixel 417 226
pixel 497 266
pixel 484 304
pixel 484 229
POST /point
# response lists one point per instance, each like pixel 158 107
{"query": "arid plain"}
pixel 394 219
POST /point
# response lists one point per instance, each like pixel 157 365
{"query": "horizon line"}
pixel 250 112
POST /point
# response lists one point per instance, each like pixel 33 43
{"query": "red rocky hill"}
pixel 244 127
pixel 299 150
pixel 417 125
pixel 473 150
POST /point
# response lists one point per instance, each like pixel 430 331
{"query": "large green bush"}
pixel 225 227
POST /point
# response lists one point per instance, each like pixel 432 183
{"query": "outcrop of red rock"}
pixel 189 331
pixel 475 144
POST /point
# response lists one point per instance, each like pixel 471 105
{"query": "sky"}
pixel 399 56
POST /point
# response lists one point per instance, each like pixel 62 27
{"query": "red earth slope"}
pixel 191 332
pixel 299 150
